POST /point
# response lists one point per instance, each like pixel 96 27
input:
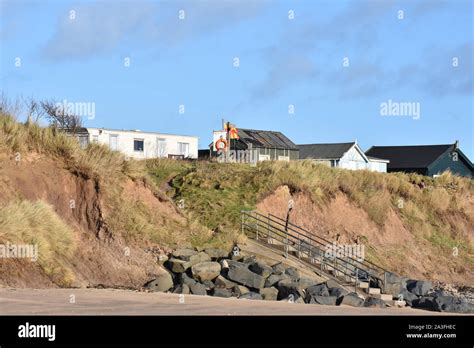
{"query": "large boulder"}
pixel 251 296
pixel 287 287
pixel 239 290
pixel 394 284
pixel 293 273
pixel 278 268
pixel 338 292
pixel 216 254
pixel 221 282
pixel 182 289
pixel 183 278
pixel 261 269
pixel 452 304
pixel 183 254
pixel 322 300
pixel 161 283
pixel 177 265
pixel 275 278
pixel 244 276
pixel 198 289
pixel 318 290
pixel 206 270
pixel 269 294
pixel 423 303
pixel 220 292
pixel 419 287
pixel 352 299
pixel 374 302
pixel 208 284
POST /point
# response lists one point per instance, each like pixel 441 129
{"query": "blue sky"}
pixel 283 62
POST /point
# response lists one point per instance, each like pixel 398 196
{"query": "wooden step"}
pixel 374 291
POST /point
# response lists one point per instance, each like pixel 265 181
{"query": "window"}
pixel 138 145
pixel 95 138
pixel 284 158
pixel 113 142
pixel 183 149
pixel 263 157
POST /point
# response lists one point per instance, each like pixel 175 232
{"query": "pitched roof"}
pixel 324 151
pixel 413 156
pixel 268 139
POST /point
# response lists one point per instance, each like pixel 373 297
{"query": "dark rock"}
pixel 338 292
pixel 219 292
pixel 245 277
pixel 239 290
pixel 275 278
pixel 162 283
pixel 183 254
pixel 352 299
pixel 278 268
pixel 198 289
pixel 251 296
pixel 261 269
pixel 322 300
pixel 452 304
pixel 181 289
pixel 249 260
pixel 318 290
pixel 269 294
pixel 394 284
pixel 221 282
pixel 177 265
pixel 208 284
pixel 287 287
pixel 293 273
pixel 374 302
pixel 183 278
pixel 419 287
pixel 423 303
pixel 206 270
pixel 217 254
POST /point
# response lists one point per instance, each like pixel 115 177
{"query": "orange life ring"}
pixel 220 147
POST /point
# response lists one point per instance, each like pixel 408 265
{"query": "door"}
pixel 113 142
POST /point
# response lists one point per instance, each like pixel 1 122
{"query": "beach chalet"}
pixel 430 160
pixel 265 145
pixel 342 155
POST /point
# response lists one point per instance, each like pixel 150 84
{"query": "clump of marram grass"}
pixel 36 223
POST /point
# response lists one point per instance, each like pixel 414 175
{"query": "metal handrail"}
pixel 285 236
pixel 374 266
pixel 377 269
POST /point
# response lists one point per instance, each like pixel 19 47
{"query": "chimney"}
pixel 456 144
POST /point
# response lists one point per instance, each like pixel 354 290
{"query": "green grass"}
pixel 26 222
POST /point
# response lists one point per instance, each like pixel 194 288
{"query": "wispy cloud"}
pixel 101 27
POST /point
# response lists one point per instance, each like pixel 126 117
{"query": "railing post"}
pixel 242 222
pixel 257 227
pixel 356 278
pixel 384 281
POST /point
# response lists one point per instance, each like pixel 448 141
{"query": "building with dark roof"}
pixel 430 160
pixel 263 145
pixel 342 155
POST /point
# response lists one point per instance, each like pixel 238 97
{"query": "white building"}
pixel 140 145
pixel 342 155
